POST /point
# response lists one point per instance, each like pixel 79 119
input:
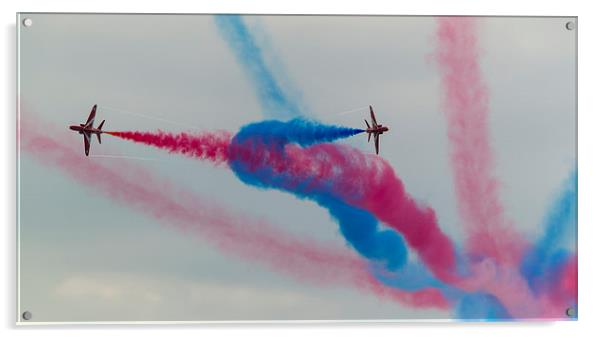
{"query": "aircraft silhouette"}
pixel 376 129
pixel 87 129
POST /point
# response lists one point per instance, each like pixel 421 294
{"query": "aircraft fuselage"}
pixel 379 129
pixel 82 129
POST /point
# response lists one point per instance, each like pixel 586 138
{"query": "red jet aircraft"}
pixel 376 129
pixel 88 129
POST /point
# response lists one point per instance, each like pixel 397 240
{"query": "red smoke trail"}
pixel 466 108
pixel 210 146
pixel 242 235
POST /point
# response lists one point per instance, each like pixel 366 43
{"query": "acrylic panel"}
pixel 188 167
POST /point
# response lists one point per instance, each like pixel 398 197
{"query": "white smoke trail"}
pixel 346 112
pixel 117 110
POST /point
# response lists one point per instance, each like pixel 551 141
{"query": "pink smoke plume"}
pixel 246 236
pixel 210 146
pixel 466 108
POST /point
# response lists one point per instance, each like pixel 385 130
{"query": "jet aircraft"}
pixel 87 129
pixel 376 129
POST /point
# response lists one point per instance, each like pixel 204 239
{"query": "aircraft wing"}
pixel 376 138
pixel 87 143
pixel 374 123
pixel 90 121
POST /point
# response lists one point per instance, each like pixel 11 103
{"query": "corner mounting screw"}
pixel 26 315
pixel 570 25
pixel 570 312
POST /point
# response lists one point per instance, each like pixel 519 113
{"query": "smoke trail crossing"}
pixel 548 266
pixel 271 95
pixel 270 157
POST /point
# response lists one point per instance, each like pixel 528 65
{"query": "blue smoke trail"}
pixel 546 257
pixel 272 97
pixel 300 131
pixel 360 229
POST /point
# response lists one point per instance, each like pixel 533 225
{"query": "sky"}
pixel 84 257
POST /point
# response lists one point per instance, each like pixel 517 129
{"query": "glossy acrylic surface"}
pixel 235 182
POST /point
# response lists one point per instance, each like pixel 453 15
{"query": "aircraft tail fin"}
pixel 100 128
pixel 367 124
